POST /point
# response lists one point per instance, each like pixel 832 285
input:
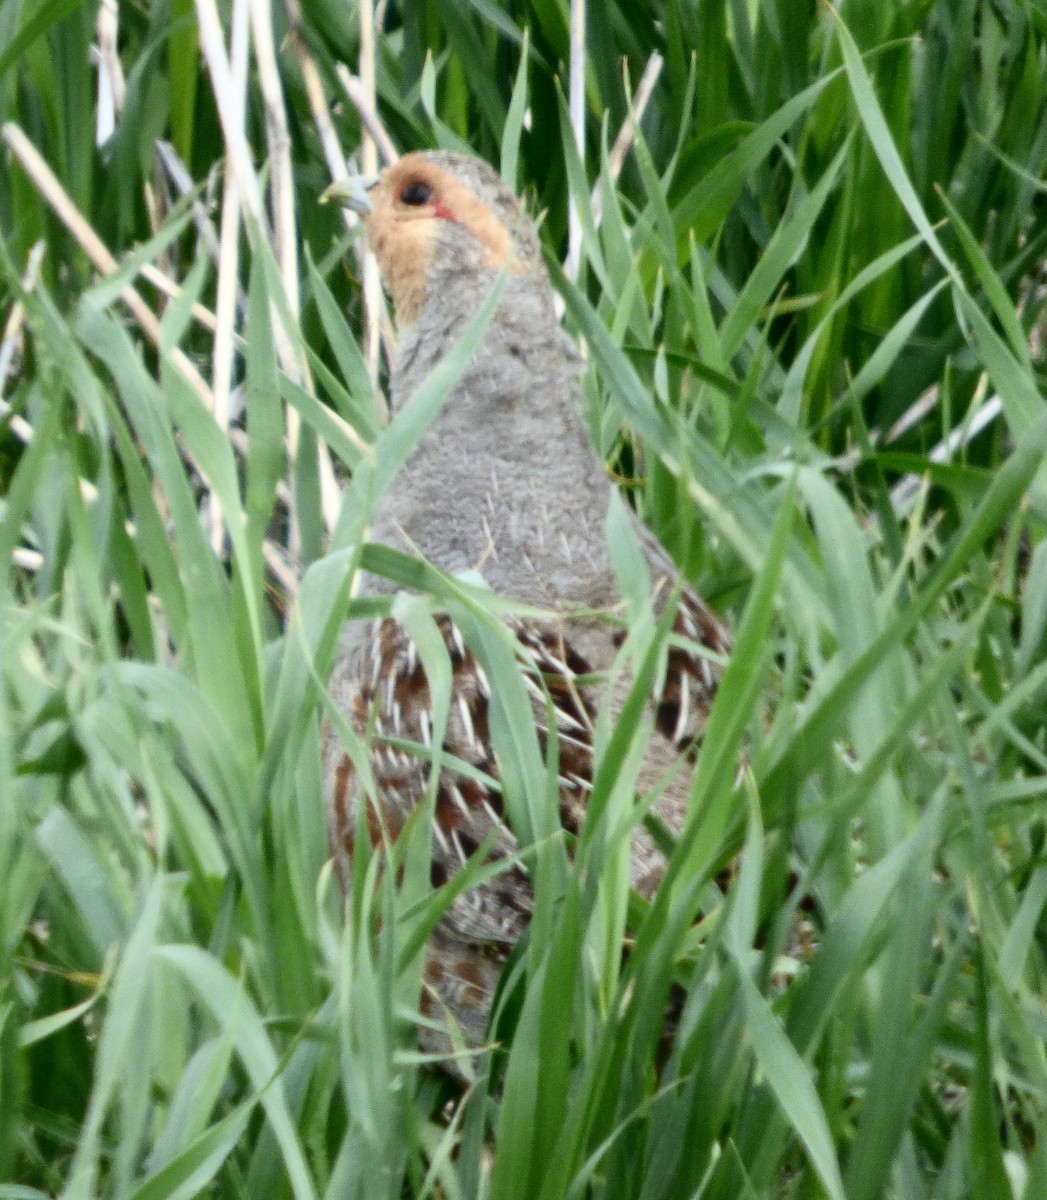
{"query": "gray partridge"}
pixel 504 481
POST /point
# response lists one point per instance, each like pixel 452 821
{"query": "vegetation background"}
pixel 810 280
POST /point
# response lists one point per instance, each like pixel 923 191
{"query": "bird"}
pixel 506 483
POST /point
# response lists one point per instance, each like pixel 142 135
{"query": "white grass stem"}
pixel 112 87
pixel 281 571
pixel 330 143
pixel 912 416
pixel 100 256
pixel 56 196
pixel 278 137
pixel 179 178
pixel 623 143
pixel 12 340
pixel 228 258
pixel 330 492
pixel 904 492
pixel 368 145
pixel 372 286
pixel 27 560
pixel 376 312
pixel 212 44
pixel 576 109
pixel 285 225
pixel 164 283
pixel 369 118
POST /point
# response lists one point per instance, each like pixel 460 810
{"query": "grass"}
pixel 813 307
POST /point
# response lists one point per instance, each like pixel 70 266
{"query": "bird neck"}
pixel 522 345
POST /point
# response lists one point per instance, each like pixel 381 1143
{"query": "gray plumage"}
pixel 504 481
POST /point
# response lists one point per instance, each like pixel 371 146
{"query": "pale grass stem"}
pixel 576 106
pixel 111 83
pixel 12 339
pixel 179 178
pixel 623 143
pixel 228 255
pixel 56 196
pixel 52 191
pixel 212 45
pixel 372 287
pixel 374 299
pixel 369 118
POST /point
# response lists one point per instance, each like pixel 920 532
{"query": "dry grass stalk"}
pixel 100 256
pixel 229 253
pixel 178 177
pixel 368 114
pixel 576 108
pixel 372 286
pixel 281 177
pixel 56 196
pixel 334 155
pixel 623 143
pixel 375 308
pixel 212 45
pixel 12 339
pixel 111 84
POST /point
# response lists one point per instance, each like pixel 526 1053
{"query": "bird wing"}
pixel 699 646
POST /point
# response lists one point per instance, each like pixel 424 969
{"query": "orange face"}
pixel 408 204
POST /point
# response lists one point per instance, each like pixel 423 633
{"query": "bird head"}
pixel 437 221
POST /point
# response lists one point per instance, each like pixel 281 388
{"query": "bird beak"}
pixel 351 192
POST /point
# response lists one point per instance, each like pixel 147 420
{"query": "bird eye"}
pixel 416 194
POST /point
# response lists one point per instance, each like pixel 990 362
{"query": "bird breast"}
pixel 508 485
